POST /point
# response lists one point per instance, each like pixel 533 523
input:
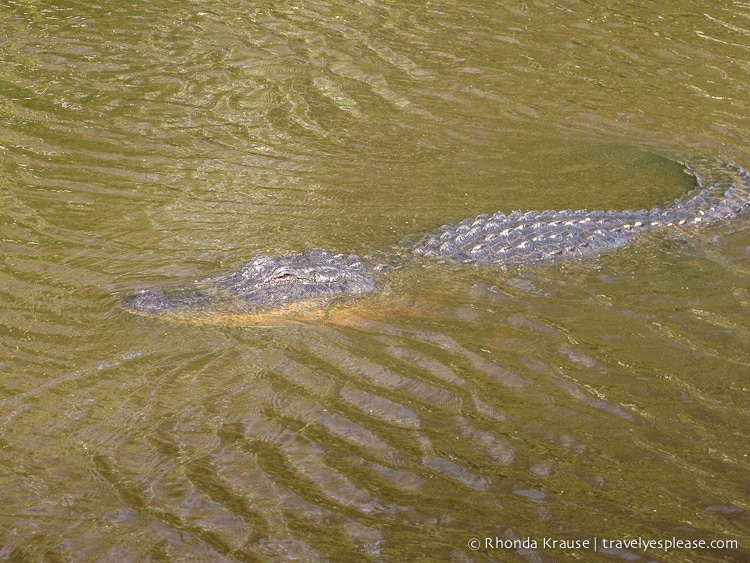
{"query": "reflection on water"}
pixel 161 142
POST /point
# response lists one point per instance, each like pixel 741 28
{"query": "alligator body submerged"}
pixel 273 283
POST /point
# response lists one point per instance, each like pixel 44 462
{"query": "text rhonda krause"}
pixel 596 543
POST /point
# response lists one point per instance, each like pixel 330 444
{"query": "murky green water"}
pixel 164 141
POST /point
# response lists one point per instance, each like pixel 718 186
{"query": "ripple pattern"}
pixel 164 141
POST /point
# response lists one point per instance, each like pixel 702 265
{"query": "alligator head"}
pixel 263 284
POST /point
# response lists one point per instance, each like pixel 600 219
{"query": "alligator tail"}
pixel 544 236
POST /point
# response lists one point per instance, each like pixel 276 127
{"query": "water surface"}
pixel 159 142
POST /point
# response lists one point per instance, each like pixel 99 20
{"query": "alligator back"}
pixel 266 285
pixel 542 236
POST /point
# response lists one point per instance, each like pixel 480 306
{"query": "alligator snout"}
pixel 145 301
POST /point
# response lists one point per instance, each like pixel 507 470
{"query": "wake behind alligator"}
pixel 269 284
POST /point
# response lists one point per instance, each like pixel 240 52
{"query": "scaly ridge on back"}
pixel 542 236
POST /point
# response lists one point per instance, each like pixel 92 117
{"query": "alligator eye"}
pixel 283 276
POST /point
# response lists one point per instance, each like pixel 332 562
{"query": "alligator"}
pixel 318 276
